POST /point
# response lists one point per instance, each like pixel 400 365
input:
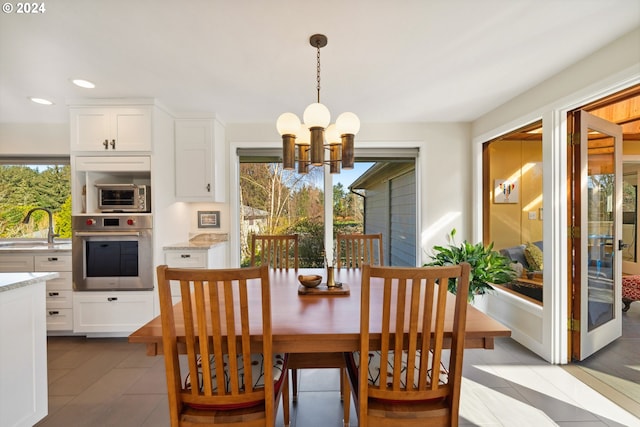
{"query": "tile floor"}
pixel 109 382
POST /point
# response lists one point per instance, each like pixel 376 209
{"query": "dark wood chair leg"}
pixel 294 384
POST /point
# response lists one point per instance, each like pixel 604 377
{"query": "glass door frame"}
pixel 585 341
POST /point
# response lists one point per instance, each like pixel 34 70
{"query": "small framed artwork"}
pixel 506 191
pixel 208 219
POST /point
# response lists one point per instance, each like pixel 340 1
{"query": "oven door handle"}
pixel 106 233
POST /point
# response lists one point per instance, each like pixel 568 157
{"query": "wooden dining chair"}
pixel 355 250
pixel 224 377
pixel 413 381
pixel 276 251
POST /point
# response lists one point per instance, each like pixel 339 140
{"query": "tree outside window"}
pixel 23 187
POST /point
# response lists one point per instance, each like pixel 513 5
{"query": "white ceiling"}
pixel 250 60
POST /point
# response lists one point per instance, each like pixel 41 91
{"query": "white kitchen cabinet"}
pixel 189 258
pixel 120 164
pixel 118 313
pixel 193 257
pixel 91 170
pixel 23 354
pixel 199 155
pixel 59 296
pixel 110 129
pixel 12 263
pixel 59 291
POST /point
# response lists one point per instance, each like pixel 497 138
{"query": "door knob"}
pixel 622 245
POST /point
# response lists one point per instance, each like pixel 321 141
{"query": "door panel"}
pixel 631 178
pixel 598 281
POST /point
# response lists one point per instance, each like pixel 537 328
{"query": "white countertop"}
pixel 202 241
pixel 9 281
pixel 34 245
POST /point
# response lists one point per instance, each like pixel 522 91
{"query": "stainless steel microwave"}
pixel 124 198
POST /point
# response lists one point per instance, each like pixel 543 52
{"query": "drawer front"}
pixel 16 263
pixel 186 259
pixel 63 282
pixel 111 312
pixel 59 299
pixel 113 163
pixel 59 319
pixel 52 262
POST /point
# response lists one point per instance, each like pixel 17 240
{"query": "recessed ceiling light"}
pixel 83 83
pixel 41 101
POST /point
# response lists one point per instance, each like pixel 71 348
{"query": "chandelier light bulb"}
pixel 348 123
pixel 316 115
pixel 288 124
pixel 303 136
pixel 331 134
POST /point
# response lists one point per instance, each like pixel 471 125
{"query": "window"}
pixel 377 196
pixel 29 183
pixel 278 201
pixel 513 204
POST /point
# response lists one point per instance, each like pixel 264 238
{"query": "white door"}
pixel 600 231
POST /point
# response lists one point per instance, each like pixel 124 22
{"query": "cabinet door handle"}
pixel 208 188
pixel 106 144
pixel 112 299
pixel 52 259
pixel 53 313
pixel 53 294
pixel 185 256
pixel 113 144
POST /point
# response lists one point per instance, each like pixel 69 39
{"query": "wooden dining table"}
pixel 324 322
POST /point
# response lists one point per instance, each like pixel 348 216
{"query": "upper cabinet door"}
pixel 195 140
pixel 110 129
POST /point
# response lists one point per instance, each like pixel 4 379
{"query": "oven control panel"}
pixel 114 222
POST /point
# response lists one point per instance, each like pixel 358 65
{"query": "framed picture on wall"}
pixel 208 219
pixel 506 191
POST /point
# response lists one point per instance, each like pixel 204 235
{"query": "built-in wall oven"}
pixel 112 252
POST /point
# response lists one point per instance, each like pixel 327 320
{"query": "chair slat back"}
pixel 276 251
pixel 356 250
pixel 217 331
pixel 410 321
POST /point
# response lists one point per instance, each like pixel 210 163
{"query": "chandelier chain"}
pixel 318 71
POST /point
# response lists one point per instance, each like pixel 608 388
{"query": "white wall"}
pixel 24 139
pixel 613 64
pixel 443 174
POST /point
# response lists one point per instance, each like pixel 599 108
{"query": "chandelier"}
pixel 315 136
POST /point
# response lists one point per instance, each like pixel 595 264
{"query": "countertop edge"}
pixel 35 250
pixel 10 281
pixel 193 246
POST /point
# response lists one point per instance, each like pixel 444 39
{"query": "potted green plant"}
pixel 487 266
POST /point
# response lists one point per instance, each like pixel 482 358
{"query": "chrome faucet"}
pixel 50 234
